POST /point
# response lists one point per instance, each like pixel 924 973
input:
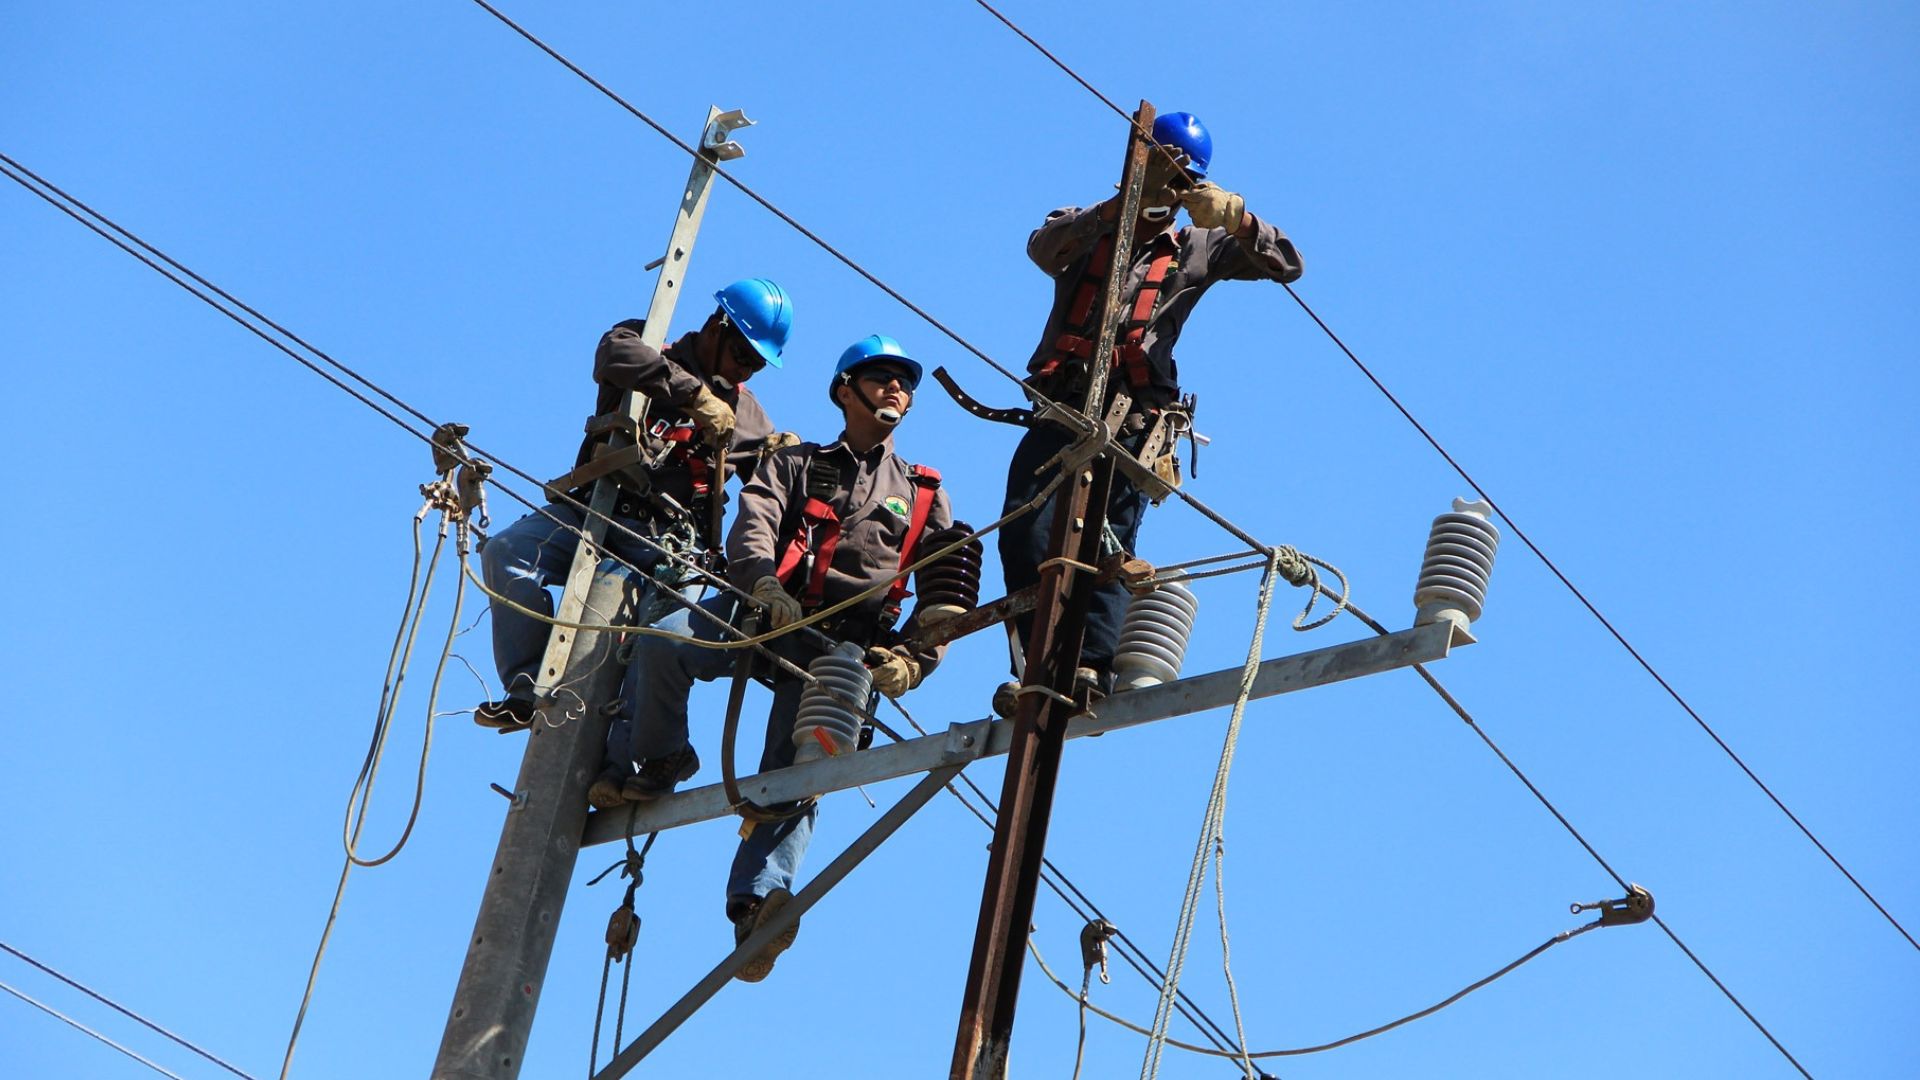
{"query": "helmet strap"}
pixel 886 416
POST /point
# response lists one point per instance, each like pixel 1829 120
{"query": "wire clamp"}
pixel 1093 946
pixel 1635 907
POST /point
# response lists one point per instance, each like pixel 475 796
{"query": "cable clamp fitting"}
pixel 1635 907
pixel 1093 945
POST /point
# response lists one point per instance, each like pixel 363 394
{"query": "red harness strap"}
pixel 926 483
pixel 1128 353
pixel 819 531
pixel 698 469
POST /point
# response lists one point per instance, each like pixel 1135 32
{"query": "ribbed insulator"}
pixel 952 580
pixel 1153 639
pixel 1453 577
pixel 822 716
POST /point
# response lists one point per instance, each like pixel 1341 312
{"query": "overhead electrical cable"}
pixel 1511 524
pixel 78 1026
pixel 117 1007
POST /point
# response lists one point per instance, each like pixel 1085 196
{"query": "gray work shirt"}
pixel 1063 245
pixel 670 378
pixel 874 501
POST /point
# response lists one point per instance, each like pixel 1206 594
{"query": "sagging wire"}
pixel 1617 913
pixel 459 496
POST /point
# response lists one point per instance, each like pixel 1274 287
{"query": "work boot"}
pixel 607 791
pixel 657 776
pixel 751 919
pixel 507 715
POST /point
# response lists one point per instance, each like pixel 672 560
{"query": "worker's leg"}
pixel 520 562
pixel 1023 541
pixel 662 673
pixel 1125 508
pixel 769 856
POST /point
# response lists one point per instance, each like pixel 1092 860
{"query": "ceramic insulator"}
pixel 1153 639
pixel 824 719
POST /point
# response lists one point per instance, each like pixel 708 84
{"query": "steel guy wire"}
pixel 1551 566
pixel 121 1009
pixel 1461 711
pixel 78 1026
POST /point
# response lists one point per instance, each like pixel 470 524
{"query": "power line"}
pixel 1517 531
pixel 117 1007
pixel 78 1026
pixel 1461 711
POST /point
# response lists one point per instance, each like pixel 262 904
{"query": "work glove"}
pixel 1213 207
pixel 781 607
pixel 1166 469
pixel 714 416
pixel 1158 188
pixel 894 672
pixel 779 440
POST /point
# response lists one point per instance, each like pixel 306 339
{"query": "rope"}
pixel 1210 831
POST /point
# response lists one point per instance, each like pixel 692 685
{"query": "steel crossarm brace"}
pixel 988 738
pixel 666 291
pixel 835 872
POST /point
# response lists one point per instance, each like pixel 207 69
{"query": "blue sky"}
pixel 1646 271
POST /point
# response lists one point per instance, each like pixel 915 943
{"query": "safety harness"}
pixel 685 452
pixel 816 534
pixel 1075 343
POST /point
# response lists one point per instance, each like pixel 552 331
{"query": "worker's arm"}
pixel 1256 251
pixel 624 361
pixel 753 542
pixel 1068 234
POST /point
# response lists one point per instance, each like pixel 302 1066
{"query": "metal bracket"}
pixel 716 140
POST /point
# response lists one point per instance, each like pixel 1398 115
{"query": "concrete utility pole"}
pixel 1053 653
pixel 506 965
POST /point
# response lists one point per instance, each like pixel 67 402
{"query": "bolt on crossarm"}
pixel 493 1007
pixel 1053 652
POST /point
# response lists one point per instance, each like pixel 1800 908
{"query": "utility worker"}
pixel 818 524
pixel 1171 268
pixel 697 395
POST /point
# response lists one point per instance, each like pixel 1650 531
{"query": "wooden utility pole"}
pixel 506 964
pixel 1053 655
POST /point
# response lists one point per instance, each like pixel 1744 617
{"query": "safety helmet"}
pixel 1183 131
pixel 872 349
pixel 764 313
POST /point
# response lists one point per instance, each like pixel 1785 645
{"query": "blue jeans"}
pixel 521 561
pixel 659 679
pixel 1023 541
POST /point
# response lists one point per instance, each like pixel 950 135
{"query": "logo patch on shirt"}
pixel 896 504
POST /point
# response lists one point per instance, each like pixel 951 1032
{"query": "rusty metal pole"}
pixel 1040 722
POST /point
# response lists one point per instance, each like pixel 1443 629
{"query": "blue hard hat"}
pixel 873 349
pixel 764 313
pixel 1183 131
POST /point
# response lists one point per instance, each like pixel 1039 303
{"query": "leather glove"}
pixel 1213 207
pixel 782 608
pixel 779 440
pixel 714 416
pixel 894 672
pixel 1158 189
pixel 1166 469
